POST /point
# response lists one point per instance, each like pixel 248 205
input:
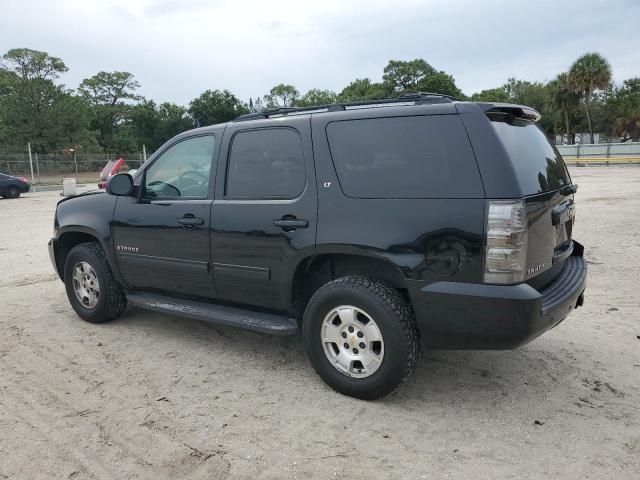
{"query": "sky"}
pixel 179 48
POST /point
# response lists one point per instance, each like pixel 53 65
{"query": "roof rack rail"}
pixel 417 98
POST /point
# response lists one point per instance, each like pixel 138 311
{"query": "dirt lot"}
pixel 154 396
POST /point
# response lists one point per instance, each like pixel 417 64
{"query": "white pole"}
pixel 33 180
pixel 37 167
pixel 144 153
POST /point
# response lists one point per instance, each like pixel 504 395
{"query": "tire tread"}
pixel 394 301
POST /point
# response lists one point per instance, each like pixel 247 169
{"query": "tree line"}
pixel 107 114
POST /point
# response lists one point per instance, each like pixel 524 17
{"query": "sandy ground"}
pixel 154 396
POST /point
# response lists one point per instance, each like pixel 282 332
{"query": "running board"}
pixel 218 314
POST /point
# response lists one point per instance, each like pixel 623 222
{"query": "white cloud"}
pixel 179 48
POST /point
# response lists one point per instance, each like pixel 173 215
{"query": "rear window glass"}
pixel 538 165
pixel 266 163
pixel 404 157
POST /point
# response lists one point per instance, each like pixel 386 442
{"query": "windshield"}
pixel 538 165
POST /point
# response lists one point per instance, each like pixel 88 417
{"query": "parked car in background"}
pixel 112 168
pixel 13 187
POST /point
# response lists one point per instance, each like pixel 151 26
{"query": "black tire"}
pixel 112 300
pixel 392 315
pixel 13 192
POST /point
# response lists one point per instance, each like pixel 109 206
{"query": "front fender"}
pixel 80 218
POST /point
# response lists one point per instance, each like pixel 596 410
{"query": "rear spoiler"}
pixel 520 111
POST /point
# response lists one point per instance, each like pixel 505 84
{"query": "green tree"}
pixel 33 108
pixel 281 96
pixel 32 64
pixel 498 94
pixel 565 100
pixel 316 96
pixel 216 106
pixel 110 95
pixel 363 89
pixel 522 92
pixel 418 76
pixel 622 110
pixel 589 73
pixel 152 125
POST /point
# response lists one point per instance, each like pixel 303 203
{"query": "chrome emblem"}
pixel 124 248
pixel 533 270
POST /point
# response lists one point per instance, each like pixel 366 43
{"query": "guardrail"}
pixel 600 150
pixel 581 162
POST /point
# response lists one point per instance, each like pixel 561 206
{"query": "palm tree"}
pixel 565 99
pixel 589 73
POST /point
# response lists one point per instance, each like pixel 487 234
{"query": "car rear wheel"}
pixel 361 337
pixel 93 292
pixel 13 192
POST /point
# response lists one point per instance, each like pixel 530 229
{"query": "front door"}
pixel 264 214
pixel 161 239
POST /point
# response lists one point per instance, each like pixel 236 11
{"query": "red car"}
pixel 110 169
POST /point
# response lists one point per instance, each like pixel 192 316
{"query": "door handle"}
pixel 190 221
pixel 289 223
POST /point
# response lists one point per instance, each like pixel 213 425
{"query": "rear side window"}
pixel 266 163
pixel 404 157
pixel 538 165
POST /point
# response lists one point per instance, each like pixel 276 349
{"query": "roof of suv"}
pixel 412 99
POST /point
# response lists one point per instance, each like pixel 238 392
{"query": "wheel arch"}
pixel 69 237
pixel 316 270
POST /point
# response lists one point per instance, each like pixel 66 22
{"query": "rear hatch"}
pixel 548 190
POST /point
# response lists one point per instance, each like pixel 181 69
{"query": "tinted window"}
pixel 266 163
pixel 182 171
pixel 404 157
pixel 538 165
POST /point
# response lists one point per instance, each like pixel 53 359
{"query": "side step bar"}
pixel 218 314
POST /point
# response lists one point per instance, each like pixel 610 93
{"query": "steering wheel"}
pixel 192 177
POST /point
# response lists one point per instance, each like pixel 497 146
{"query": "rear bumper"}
pixel 456 315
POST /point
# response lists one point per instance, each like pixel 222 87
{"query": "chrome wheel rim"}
pixel 352 341
pixel 85 285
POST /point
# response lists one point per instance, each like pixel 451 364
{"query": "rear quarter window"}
pixel 538 165
pixel 404 157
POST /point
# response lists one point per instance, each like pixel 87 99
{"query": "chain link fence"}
pixel 51 168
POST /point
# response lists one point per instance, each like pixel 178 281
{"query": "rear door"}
pixel 161 240
pixel 545 181
pixel 264 213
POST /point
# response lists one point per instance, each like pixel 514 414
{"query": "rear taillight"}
pixel 506 252
pixel 23 180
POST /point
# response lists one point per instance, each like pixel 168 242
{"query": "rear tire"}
pixel 13 192
pixel 93 291
pixel 369 314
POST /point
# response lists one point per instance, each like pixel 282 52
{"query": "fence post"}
pixel 144 153
pixel 608 149
pixel 37 167
pixel 578 151
pixel 33 180
pixel 74 160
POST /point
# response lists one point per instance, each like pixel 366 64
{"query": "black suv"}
pixel 371 227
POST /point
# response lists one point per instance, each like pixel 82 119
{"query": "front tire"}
pixel 13 193
pixel 92 290
pixel 361 337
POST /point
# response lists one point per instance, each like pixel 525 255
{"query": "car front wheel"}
pixel 92 290
pixel 361 337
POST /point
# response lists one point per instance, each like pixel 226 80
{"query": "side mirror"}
pixel 120 184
